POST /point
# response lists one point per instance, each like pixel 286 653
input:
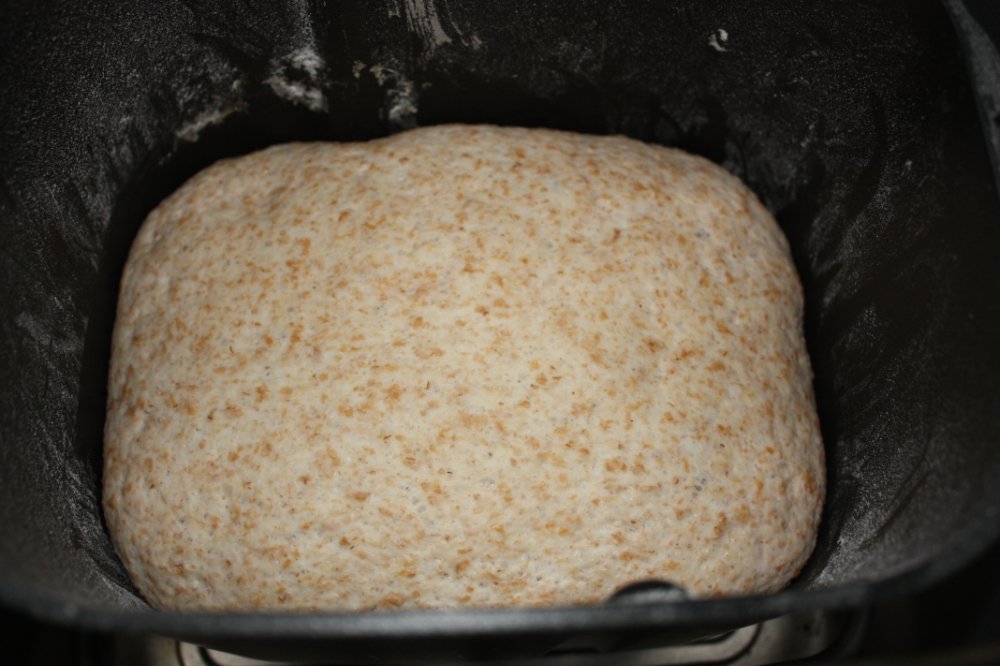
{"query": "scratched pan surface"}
pixel 854 122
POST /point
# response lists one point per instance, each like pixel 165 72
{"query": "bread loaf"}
pixel 461 366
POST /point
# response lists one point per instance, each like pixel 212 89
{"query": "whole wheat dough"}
pixel 460 366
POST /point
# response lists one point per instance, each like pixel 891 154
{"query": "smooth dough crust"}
pixel 459 366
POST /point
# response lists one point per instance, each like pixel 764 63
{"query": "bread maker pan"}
pixel 857 124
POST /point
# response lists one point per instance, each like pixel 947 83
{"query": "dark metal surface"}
pixel 783 639
pixel 854 122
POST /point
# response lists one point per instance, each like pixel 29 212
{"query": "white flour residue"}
pixel 199 112
pixel 214 115
pixel 382 74
pixel 451 20
pixel 296 77
pixel 717 39
pixel 401 96
pixel 192 130
pixel 403 104
pixel 43 337
pixel 422 19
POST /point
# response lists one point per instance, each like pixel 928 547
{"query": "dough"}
pixel 459 366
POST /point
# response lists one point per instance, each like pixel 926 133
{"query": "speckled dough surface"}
pixel 461 366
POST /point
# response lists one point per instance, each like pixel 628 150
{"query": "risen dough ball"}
pixel 460 366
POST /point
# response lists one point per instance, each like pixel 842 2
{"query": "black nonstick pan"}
pixel 857 123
